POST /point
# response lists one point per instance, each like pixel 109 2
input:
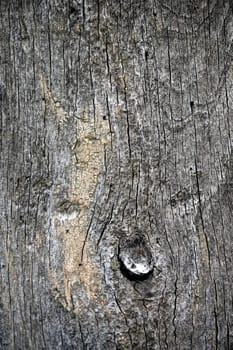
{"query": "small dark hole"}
pixel 173 202
pixel 72 10
pixel 104 117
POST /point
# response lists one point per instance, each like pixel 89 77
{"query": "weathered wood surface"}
pixel 116 123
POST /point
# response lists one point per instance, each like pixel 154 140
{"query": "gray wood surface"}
pixel 116 174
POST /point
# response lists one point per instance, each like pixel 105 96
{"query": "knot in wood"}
pixel 135 257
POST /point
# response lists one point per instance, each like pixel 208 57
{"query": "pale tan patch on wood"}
pixel 87 161
pixel 80 270
pixel 48 98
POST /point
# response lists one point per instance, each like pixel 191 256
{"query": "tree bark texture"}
pixel 116 161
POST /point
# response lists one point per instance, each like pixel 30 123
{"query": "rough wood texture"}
pixel 116 122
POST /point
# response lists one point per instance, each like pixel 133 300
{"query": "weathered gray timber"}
pixel 116 174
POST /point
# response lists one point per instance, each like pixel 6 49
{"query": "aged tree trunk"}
pixel 116 174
